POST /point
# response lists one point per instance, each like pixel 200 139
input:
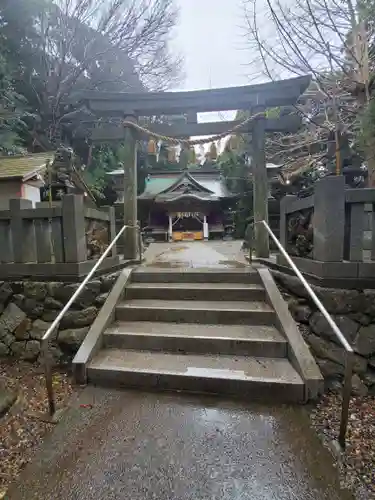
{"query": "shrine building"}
pixel 181 205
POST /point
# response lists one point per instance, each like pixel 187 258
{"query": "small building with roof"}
pixel 22 176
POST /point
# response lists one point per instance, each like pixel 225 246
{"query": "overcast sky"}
pixel 209 36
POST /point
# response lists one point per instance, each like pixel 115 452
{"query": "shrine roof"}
pixel 23 167
pixel 199 184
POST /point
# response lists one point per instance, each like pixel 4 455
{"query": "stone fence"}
pixel 59 242
pixel 331 235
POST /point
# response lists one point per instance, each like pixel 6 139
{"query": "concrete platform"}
pixel 117 445
pixel 195 338
pixel 268 379
pixel 196 255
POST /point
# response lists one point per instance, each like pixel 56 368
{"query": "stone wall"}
pixel 28 308
pixel 354 313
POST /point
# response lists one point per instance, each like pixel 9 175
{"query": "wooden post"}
pixel 130 193
pixel 260 186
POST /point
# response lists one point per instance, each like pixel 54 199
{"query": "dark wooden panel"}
pixel 289 123
pixel 282 92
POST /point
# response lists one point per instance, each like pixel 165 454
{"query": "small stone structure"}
pixel 59 242
pixel 28 308
pixel 354 312
pixel 331 234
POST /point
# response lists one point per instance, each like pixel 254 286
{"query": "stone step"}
pixel 194 311
pixel 265 379
pixel 245 340
pixel 192 275
pixel 196 291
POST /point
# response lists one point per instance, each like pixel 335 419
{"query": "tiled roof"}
pixel 23 167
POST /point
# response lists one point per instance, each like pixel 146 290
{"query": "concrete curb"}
pixel 298 352
pixel 93 341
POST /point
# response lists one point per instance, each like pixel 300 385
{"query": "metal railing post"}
pixel 140 242
pixel 48 377
pixel 55 324
pixel 347 387
pixel 346 393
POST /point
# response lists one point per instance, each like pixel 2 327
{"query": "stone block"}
pixel 38 329
pixel 358 387
pixel 52 304
pixel 22 332
pixel 50 316
pixel 72 338
pixel 18 348
pixel 18 299
pixel 5 292
pixel 4 350
pixel 325 349
pixel 100 299
pixel 320 326
pixel 11 318
pixel 362 319
pixel 35 290
pixel 7 339
pixel 368 304
pixel 108 281
pixel 32 350
pixel 365 341
pixel 339 301
pixel 78 319
pixel 329 368
pixel 33 308
pixel 300 312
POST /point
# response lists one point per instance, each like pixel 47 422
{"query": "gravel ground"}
pixel 357 464
pixel 20 434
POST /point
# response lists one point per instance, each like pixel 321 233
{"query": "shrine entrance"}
pixel 115 118
pixel 188 226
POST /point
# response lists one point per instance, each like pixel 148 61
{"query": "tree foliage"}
pixel 333 41
pixel 57 49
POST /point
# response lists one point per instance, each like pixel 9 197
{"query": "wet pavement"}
pixel 142 446
pixel 197 254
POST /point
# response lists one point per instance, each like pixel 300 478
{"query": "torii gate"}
pixel 255 98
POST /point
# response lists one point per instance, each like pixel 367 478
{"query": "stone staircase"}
pixel 199 331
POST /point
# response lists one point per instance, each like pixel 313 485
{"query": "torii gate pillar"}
pixel 130 193
pixel 260 186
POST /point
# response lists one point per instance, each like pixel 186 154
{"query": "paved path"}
pixel 138 446
pixel 212 254
pixel 145 446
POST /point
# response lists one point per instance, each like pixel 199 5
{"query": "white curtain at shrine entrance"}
pixel 181 215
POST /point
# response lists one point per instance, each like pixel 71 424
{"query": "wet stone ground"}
pixel 212 254
pixel 132 445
